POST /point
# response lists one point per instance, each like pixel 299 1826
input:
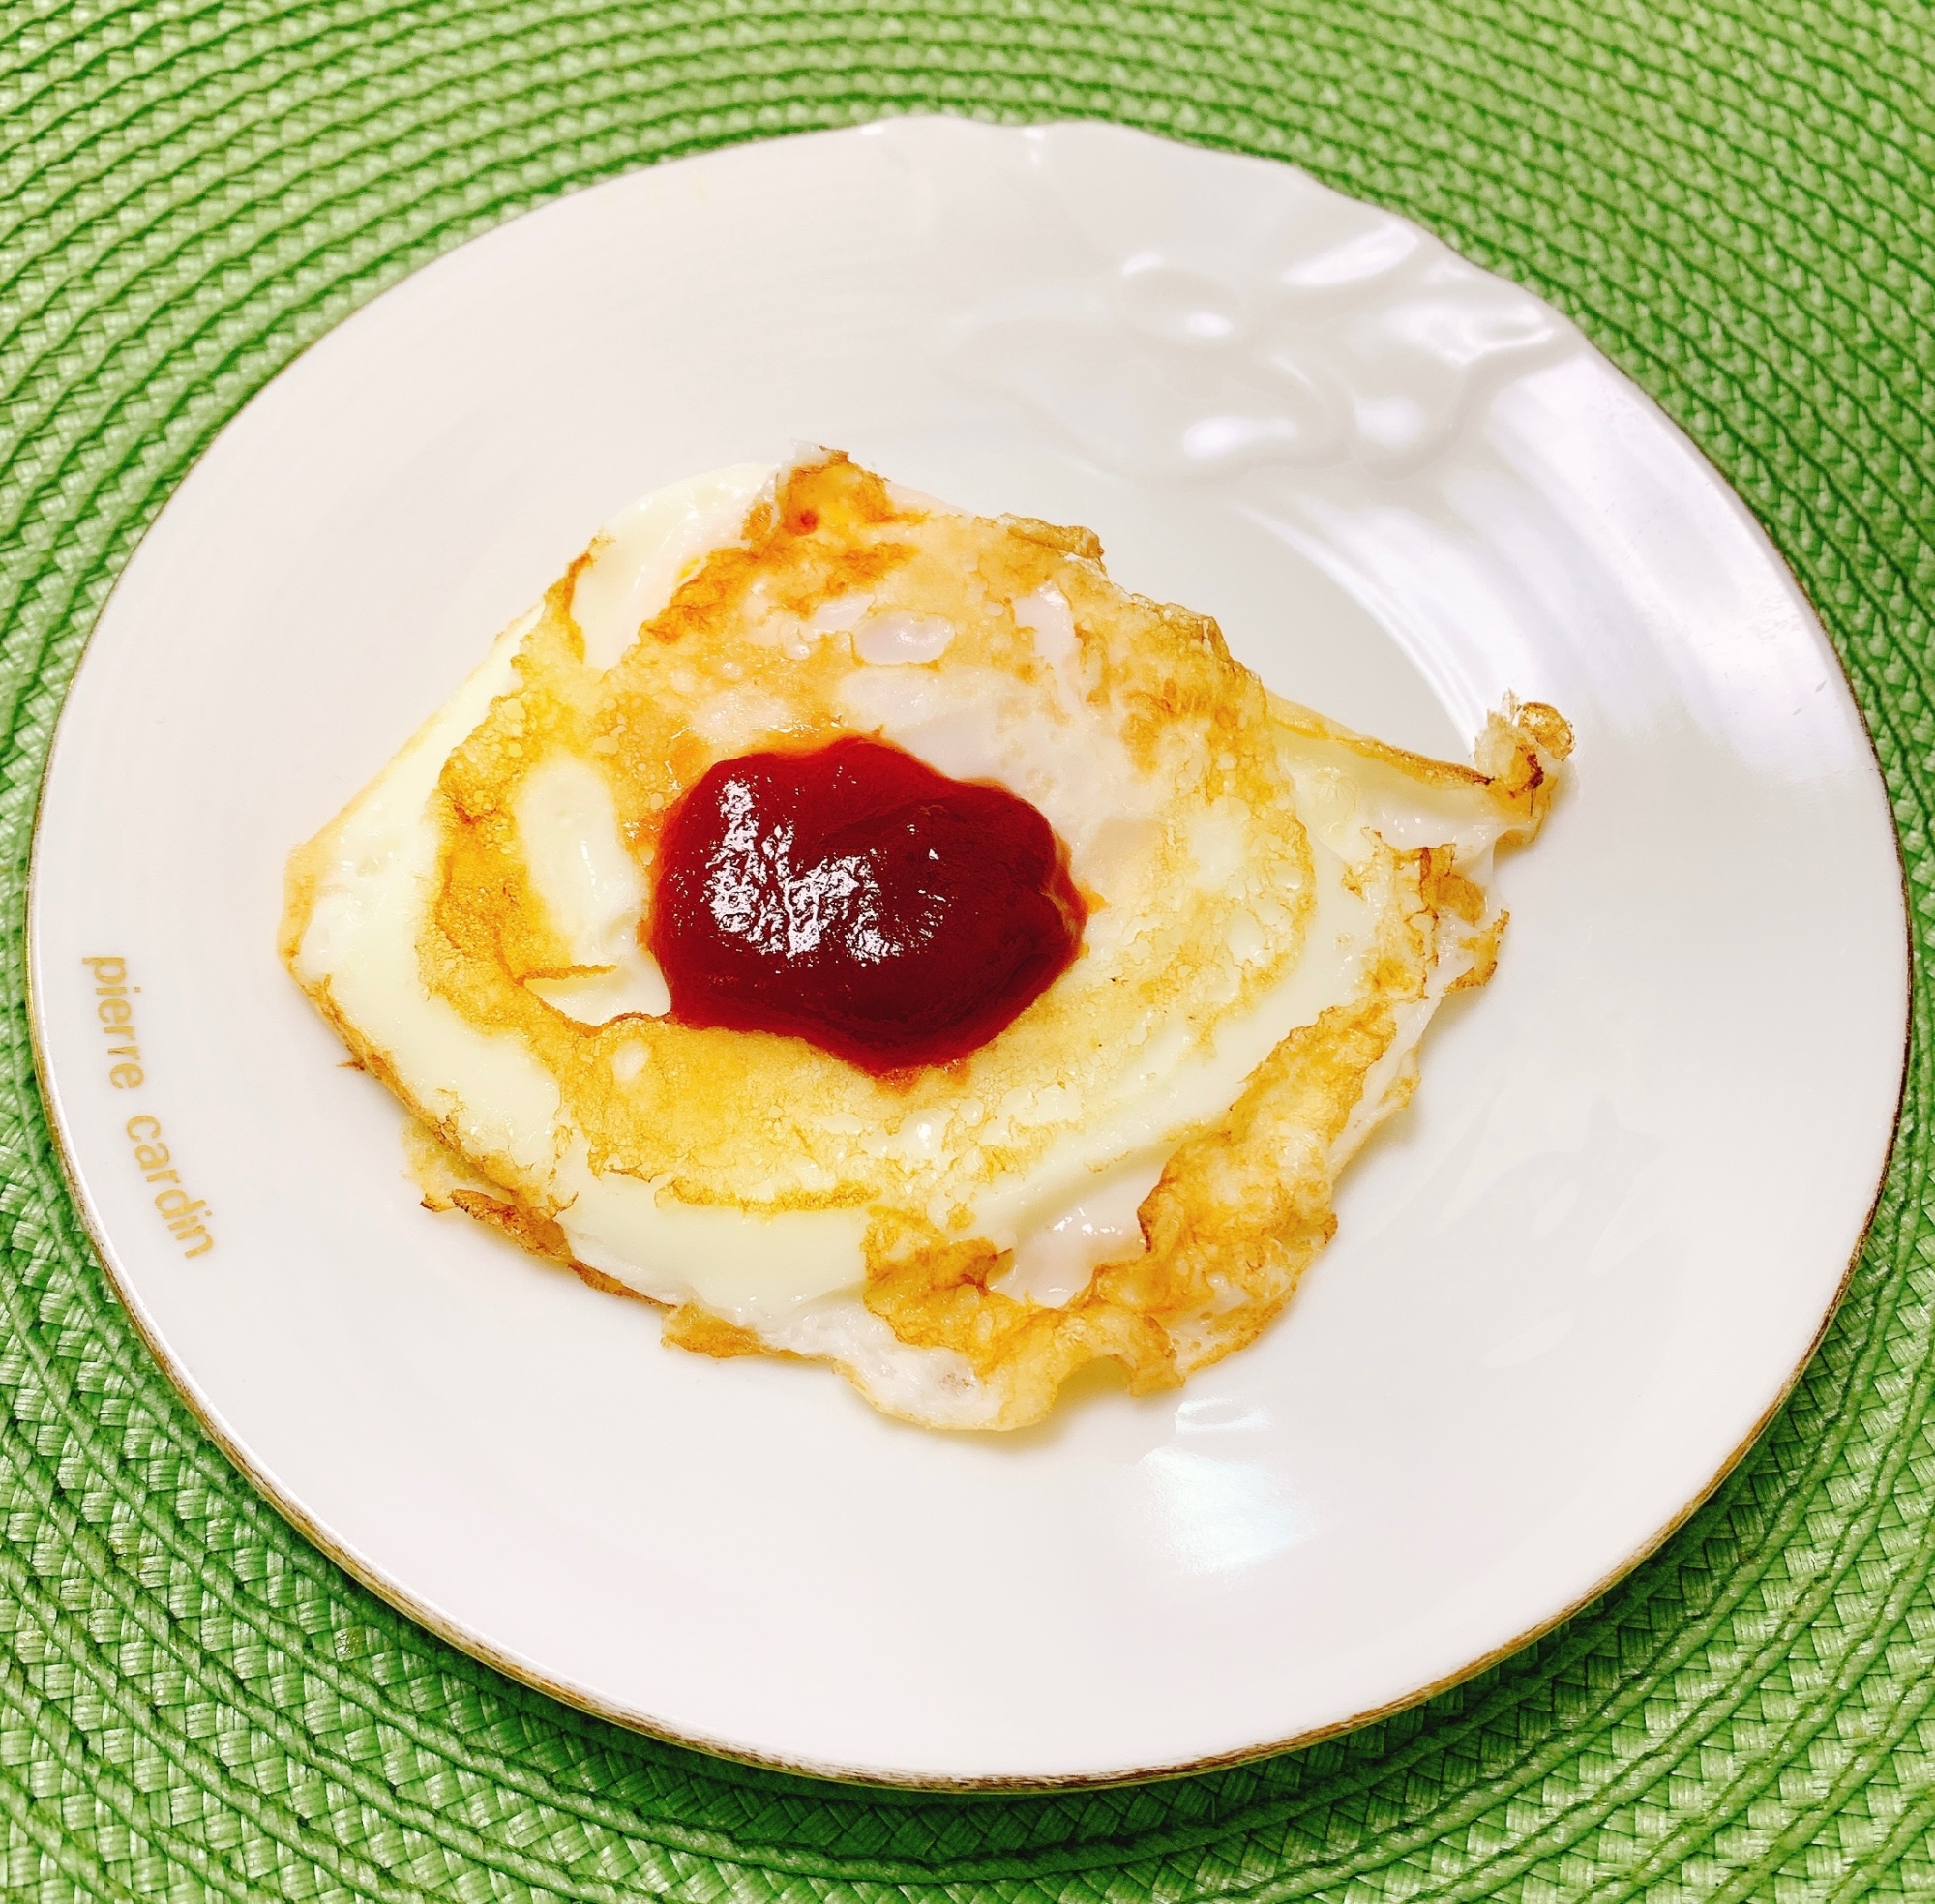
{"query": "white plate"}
pixel 1570 1284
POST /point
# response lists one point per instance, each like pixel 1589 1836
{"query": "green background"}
pixel 1737 200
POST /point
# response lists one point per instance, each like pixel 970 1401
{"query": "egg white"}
pixel 795 1279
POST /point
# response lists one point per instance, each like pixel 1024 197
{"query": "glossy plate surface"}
pixel 1570 1281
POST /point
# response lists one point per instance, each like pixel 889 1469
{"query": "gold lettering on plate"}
pixel 114 1007
pixel 186 1217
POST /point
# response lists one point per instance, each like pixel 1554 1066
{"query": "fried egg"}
pixel 1137 1168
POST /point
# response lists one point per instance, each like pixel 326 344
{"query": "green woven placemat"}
pixel 1733 198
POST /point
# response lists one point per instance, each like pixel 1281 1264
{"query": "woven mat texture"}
pixel 1737 200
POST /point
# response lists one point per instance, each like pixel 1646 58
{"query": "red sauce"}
pixel 853 897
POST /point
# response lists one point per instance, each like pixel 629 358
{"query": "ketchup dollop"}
pixel 855 896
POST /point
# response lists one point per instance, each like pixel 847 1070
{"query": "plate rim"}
pixel 474 1647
